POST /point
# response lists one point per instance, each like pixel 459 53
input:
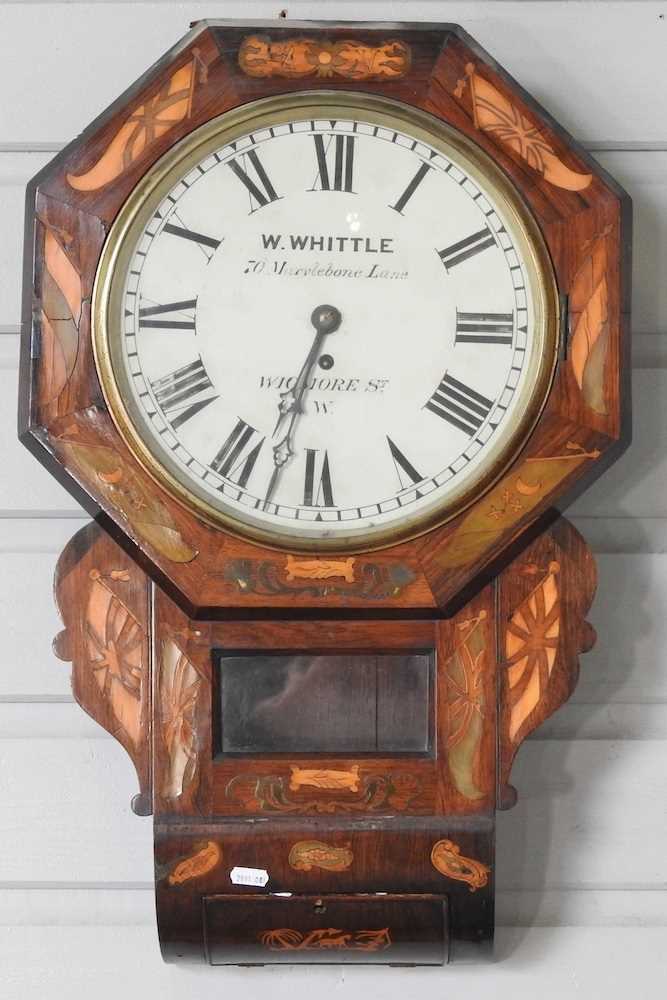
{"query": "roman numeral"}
pixel 343 163
pixel 460 405
pixel 484 328
pixel 403 466
pixel 467 248
pixel 171 323
pixel 233 460
pixel 411 188
pixel 317 492
pixel 260 190
pixel 205 243
pixel 177 393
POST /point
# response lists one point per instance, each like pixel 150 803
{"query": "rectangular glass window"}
pixel 325 703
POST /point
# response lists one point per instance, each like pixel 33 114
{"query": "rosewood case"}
pixel 361 852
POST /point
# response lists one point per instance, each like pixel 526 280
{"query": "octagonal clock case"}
pixel 323 324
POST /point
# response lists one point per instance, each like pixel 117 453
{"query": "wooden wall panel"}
pixel 585 66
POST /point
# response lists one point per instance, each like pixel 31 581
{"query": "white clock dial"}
pixel 327 329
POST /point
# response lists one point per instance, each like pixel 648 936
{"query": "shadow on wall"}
pixel 574 774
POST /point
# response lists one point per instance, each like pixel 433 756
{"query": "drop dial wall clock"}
pixel 323 324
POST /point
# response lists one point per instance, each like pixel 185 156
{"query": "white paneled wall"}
pixel 582 901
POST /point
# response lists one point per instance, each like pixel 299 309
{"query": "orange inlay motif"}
pixel 199 864
pixel 348 780
pixel 531 643
pixel 446 858
pixel 308 854
pixel 495 114
pixel 271 794
pixel 319 569
pixel 298 57
pixel 115 642
pixel 286 939
pixel 159 114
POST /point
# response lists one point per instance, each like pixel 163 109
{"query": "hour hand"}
pixel 282 452
pixel 286 405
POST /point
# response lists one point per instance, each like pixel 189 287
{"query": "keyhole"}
pixel 319 907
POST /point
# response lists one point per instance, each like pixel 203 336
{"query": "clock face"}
pixel 329 323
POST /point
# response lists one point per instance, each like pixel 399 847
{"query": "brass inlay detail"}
pixel 293 58
pixel 371 581
pixel 103 468
pixel 61 296
pixel 589 315
pixel 446 858
pixel 271 793
pixel 509 501
pixel 308 854
pixel 464 672
pixel 179 685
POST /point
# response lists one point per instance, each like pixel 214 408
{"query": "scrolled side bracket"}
pixel 104 601
pixel 542 598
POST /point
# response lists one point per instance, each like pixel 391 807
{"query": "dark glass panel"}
pixel 325 703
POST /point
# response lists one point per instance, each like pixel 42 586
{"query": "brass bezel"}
pixel 176 162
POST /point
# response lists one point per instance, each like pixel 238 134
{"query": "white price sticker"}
pixel 249 876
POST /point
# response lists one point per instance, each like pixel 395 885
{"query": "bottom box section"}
pixel 380 928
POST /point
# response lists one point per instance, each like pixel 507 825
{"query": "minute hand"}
pixel 325 319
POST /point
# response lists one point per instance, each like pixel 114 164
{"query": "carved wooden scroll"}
pixel 103 601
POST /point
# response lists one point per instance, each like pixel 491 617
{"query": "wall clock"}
pixel 324 323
